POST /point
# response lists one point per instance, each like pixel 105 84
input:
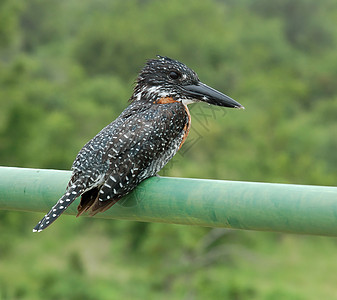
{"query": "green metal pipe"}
pixel 231 204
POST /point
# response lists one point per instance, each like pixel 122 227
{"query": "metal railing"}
pixel 290 208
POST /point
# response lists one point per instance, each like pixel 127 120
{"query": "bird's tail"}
pixel 62 204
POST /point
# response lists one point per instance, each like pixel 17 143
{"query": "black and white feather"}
pixel 138 143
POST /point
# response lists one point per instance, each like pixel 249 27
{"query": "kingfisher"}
pixel 140 142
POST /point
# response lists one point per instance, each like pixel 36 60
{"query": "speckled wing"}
pixel 132 148
pixel 142 146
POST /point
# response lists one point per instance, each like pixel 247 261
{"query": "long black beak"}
pixel 202 92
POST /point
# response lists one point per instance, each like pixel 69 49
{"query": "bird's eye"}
pixel 174 75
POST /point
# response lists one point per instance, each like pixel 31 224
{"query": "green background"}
pixel 67 69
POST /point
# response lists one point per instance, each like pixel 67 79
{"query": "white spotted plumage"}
pixel 116 168
pixel 135 146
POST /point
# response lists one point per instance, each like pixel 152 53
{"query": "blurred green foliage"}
pixel 67 69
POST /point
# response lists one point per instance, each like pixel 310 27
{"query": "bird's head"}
pixel 166 77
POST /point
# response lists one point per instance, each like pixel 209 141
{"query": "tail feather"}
pixel 101 206
pixel 87 200
pixel 90 202
pixel 62 204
